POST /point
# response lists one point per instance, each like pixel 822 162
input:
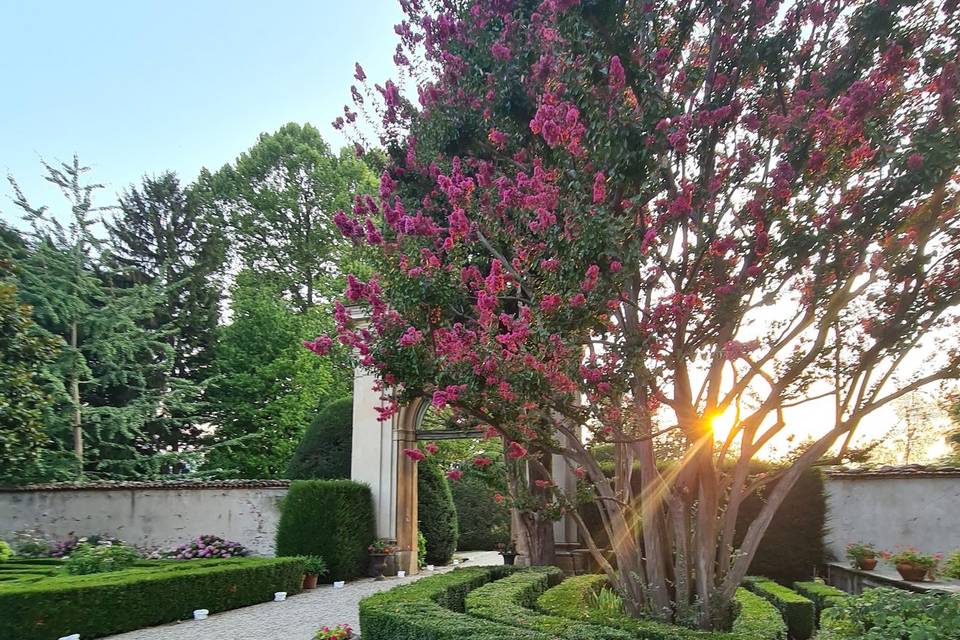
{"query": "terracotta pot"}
pixel 310 581
pixel 911 573
pixel 867 564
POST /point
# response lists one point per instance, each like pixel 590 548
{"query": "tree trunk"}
pixel 75 396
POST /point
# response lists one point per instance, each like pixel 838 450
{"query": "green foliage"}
pixel 951 567
pixel 172 238
pixel 146 595
pixel 606 601
pixel 23 357
pixel 438 516
pixel 332 519
pixel 798 611
pixel 421 549
pixel 282 195
pixel 792 547
pixel 887 614
pixel 483 522
pixel 268 386
pixel 100 558
pixel 510 600
pixel 432 609
pixel 5 551
pixel 575 598
pixel 314 565
pixel 823 595
pixel 325 450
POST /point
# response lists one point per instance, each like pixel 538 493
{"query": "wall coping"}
pixel 907 471
pixel 163 485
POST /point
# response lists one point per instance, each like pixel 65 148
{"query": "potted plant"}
pixel 313 568
pixel 508 551
pixel 912 565
pixel 863 555
pixel 339 632
pixel 379 551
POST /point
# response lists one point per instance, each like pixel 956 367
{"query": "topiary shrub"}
pixel 332 519
pixel 438 516
pixel 798 611
pixel 483 522
pixel 325 450
pixel 823 595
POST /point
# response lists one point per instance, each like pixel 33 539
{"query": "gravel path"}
pixel 298 618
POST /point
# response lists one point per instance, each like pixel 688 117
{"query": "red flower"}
pixel 320 345
pixel 454 474
pixel 543 484
pixel 414 454
pixel 516 450
pixel 498 497
pixel 432 448
pixel 482 461
pixel 579 472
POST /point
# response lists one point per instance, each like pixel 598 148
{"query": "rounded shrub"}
pixel 324 452
pixel 5 551
pixel 332 519
pixel 100 558
pixel 437 515
pixel 209 546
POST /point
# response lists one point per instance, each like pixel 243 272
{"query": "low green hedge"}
pixel 433 609
pixel 106 603
pixel 511 599
pixel 332 519
pixel 798 611
pixel 573 598
pixel 823 595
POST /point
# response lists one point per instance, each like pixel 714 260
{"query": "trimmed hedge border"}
pixel 107 603
pixel 823 595
pixel 433 609
pixel 798 611
pixel 757 618
pixel 510 601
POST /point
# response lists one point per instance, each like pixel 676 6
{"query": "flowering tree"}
pixel 611 220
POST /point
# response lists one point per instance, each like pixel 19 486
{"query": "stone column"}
pixel 406 483
pixel 373 459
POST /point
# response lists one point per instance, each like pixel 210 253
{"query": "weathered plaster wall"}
pixel 917 510
pixel 152 517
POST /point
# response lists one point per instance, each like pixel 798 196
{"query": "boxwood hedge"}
pixel 823 595
pixel 573 598
pixel 798 611
pixel 149 594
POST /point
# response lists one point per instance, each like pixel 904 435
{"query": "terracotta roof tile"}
pixel 153 484
pixel 905 471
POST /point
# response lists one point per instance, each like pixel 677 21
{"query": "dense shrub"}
pixel 5 551
pixel 209 546
pixel 332 519
pixel 100 558
pixel 30 546
pixel 892 614
pixel 574 598
pixel 163 591
pixel 823 595
pixel 437 515
pixel 325 450
pixel 798 611
pixel 951 568
pixel 483 522
pixel 432 609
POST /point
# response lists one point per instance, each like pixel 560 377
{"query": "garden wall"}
pixel 894 506
pixel 152 514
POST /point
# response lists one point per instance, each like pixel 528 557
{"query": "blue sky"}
pixel 144 86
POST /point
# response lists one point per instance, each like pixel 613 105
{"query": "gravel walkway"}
pixel 298 618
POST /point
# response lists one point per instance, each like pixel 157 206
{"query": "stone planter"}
pixel 379 561
pixel 508 557
pixel 867 564
pixel 911 573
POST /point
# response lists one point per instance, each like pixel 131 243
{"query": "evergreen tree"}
pixel 172 238
pixel 281 197
pixel 268 387
pixel 100 383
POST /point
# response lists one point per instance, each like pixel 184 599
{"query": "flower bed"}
pixel 496 603
pixel 40 606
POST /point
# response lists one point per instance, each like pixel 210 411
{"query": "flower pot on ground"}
pixel 379 551
pixel 509 553
pixel 912 565
pixel 339 632
pixel 862 555
pixel 313 568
